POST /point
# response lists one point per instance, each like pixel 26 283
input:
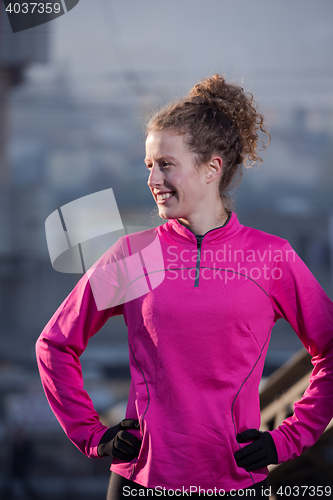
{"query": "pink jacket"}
pixel 199 312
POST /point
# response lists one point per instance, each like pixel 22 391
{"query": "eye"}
pixel 165 164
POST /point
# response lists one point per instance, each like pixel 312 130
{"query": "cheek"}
pixel 187 184
pixel 192 189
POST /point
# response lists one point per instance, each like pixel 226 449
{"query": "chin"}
pixel 167 214
pixel 163 216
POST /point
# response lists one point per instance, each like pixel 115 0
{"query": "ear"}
pixel 214 168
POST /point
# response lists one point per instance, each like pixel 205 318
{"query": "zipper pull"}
pixel 199 240
pixel 197 267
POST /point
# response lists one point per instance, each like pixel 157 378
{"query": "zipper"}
pixel 199 239
pixel 197 267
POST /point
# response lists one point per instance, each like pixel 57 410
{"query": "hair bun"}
pixel 237 105
pixel 228 98
pixel 213 88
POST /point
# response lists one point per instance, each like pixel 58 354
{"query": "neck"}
pixel 200 226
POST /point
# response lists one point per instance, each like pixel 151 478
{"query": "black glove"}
pixel 258 454
pixel 117 442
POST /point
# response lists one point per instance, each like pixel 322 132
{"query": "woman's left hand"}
pixel 260 453
pixel 118 443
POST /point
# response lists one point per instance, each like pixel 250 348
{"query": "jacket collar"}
pixel 181 233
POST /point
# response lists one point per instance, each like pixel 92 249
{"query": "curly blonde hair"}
pixel 216 118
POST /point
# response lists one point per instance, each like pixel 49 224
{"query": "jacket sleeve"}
pixel 97 296
pixel 297 297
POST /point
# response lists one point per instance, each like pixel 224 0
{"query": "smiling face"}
pixel 180 190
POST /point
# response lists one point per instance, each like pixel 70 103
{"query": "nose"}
pixel 155 177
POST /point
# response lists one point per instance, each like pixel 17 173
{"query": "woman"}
pixel 200 295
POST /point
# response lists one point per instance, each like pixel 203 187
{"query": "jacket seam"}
pixel 201 267
pixel 235 272
pixel 144 378
pixel 148 396
pixel 239 390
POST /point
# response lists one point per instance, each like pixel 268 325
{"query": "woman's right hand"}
pixel 117 442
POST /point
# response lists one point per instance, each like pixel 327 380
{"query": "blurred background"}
pixel 74 94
